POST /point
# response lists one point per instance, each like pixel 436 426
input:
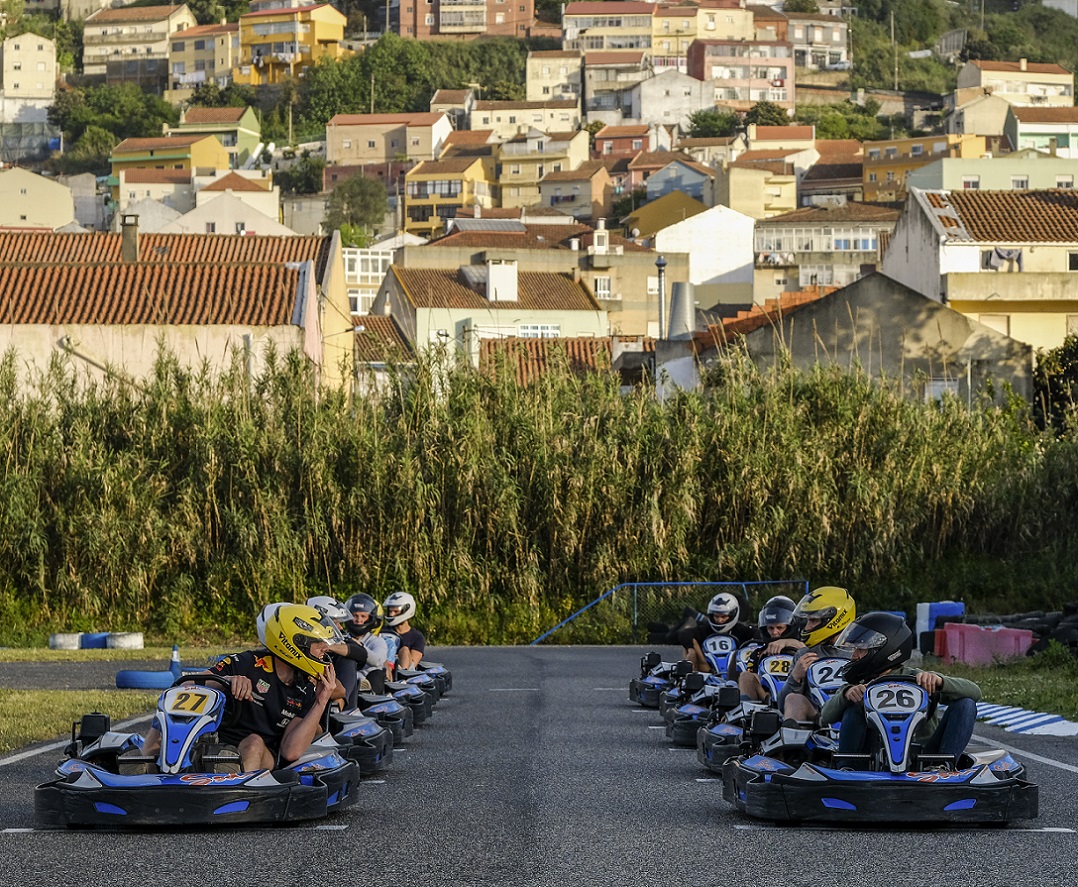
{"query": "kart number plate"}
pixel 896 698
pixel 190 701
pixel 823 673
pixel 719 643
pixel 777 664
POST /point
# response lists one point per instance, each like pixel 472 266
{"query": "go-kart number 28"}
pixel 778 666
pixel 895 699
pixel 190 702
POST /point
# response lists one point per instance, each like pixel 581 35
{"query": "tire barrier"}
pixel 124 640
pixel 131 679
pixel 96 640
pixel 1060 626
pixel 66 641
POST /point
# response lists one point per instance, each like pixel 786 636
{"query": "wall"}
pixel 718 275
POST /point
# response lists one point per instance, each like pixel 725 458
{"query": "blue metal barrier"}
pixel 635 586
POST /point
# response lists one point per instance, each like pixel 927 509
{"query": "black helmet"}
pixel 777 611
pixel 886 640
pixel 364 603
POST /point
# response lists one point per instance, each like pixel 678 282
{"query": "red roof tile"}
pixel 530 359
pixel 147 293
pixel 380 340
pixel 850 211
pixel 235 182
pixel 1065 114
pixel 556 236
pixel 1016 67
pixel 623 132
pixel 610 7
pixel 303 10
pixel 156 176
pixel 779 133
pixel 424 118
pixel 132 14
pixel 213 115
pixel 1018 216
pixel 134 146
pixel 614 57
pixel 536 291
pixel 211 30
pixel 770 312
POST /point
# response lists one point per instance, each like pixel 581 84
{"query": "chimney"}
pixel 682 311
pixel 574 244
pixel 501 280
pixel 1023 65
pixel 477 212
pixel 129 237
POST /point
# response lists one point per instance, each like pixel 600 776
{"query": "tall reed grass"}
pixel 181 506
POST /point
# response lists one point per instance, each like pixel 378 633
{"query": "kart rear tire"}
pixel 129 679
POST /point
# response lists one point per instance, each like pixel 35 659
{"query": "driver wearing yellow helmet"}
pixel 824 612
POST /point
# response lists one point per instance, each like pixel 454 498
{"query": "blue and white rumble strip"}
pixel 1019 720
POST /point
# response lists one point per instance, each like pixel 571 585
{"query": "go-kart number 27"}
pixel 190 702
pixel 891 699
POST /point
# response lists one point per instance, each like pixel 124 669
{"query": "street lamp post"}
pixel 660 263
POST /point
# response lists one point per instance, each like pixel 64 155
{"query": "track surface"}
pixel 537 771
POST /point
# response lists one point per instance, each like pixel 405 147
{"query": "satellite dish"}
pixel 635 233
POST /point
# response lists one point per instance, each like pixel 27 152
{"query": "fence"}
pixel 624 613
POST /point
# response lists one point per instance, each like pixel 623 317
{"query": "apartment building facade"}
pixel 280 44
pixel 745 73
pixel 202 54
pixel 464 19
pixel 131 44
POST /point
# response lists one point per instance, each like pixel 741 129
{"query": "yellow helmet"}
pixel 291 629
pixel 831 606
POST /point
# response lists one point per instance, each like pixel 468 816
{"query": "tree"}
pixel 767 114
pixel 712 123
pixel 304 176
pixel 800 6
pixel 623 206
pixel 357 201
pixel 1055 386
pixel 91 151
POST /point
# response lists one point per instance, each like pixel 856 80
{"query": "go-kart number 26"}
pixel 190 702
pixel 892 699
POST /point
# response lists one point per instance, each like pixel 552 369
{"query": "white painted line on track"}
pixel 1057 830
pixel 52 746
pixel 17 831
pixel 820 827
pixel 608 689
pixel 705 779
pixel 681 748
pixel 645 710
pixel 330 828
pixel 374 782
pixel 514 689
pixel 656 726
pixel 1022 754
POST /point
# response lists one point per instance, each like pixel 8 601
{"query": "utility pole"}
pixel 894 48
pixel 372 92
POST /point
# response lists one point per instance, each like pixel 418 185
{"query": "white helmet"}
pixel 723 604
pixel 263 618
pixel 331 607
pixel 404 602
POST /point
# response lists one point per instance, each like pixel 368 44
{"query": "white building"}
pixel 718 275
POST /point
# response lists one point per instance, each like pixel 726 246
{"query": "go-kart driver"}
pixel 282 691
pixel 721 618
pixel 364 627
pixel 825 612
pixel 779 632
pixel 879 644
pixel 399 609
pixel 348 656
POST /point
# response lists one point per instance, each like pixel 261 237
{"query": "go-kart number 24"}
pixel 192 702
pixel 902 699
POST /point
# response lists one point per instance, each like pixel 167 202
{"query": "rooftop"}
pixel 158 143
pixel 1016 67
pixel 380 340
pixel 157 176
pixel 610 7
pixel 823 215
pixel 198 115
pixel 1065 114
pixel 1003 217
pixel 422 118
pixel 235 182
pixel 623 132
pixel 133 14
pixel 536 291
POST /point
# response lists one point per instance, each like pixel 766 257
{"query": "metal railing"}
pixel 633 605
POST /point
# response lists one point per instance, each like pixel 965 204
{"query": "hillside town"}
pixel 651 191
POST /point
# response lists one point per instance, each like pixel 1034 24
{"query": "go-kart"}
pixel 895 783
pixel 708 697
pixel 726 734
pixel 192 780
pixel 655 679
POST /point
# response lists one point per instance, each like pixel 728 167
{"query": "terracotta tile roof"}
pixel 623 132
pixel 763 13
pixel 656 158
pixel 779 133
pixel 536 291
pixel 614 57
pixel 775 167
pixel 423 118
pixel 675 11
pixel 446 166
pixel 288 10
pixel 175 249
pixel 147 293
pixel 534 237
pixel 235 182
pixel 692 164
pixel 213 115
pixel 765 156
pixel 211 30
pixel 450 96
pixel 531 359
pixel 584 171
pixel 851 211
pixel 771 311
pixel 617 166
pixel 822 171
pixel 469 137
pixel 719 141
pixel 813 17
pixel 551 105
pixel 500 212
pixel 1016 67
pixel 1067 114
pixel 132 14
pixel 156 176
pixel 380 340
pixel 830 147
pixel 1013 216
pixel 135 146
pixel 555 54
pixel 610 7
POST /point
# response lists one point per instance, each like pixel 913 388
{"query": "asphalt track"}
pixel 537 771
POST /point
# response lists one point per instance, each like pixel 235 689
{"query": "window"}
pixel 916 150
pixel 514 169
pixel 638 144
pixel 428 20
pixel 211 227
pixel 873 153
pixel 346 144
pixel 18 66
pixel 1019 183
pixel 415 141
pixel 1072 324
pixel 890 153
pixel 370 143
pixel 971 183
pixel 1072 261
pixel 177 46
pixel 539 330
pixel 240 227
pixel 935 389
pixel 200 44
pixel 602 287
pixel 1064 181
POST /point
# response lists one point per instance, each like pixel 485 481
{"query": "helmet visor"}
pixel 858 637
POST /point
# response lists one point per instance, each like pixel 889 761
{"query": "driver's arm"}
pixel 299 734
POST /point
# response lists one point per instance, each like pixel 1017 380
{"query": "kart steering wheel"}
pixel 933 698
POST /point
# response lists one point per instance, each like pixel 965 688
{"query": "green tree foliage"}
pixel 767 114
pixel 1055 382
pixel 844 120
pixel 125 111
pixel 235 95
pixel 90 153
pixel 712 123
pixel 635 199
pixel 358 201
pixel 800 6
pixel 302 177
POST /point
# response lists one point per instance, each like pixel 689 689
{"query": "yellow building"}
pixel 438 190
pixel 675 27
pixel 525 159
pixel 197 154
pixel 887 163
pixel 607 24
pixel 204 54
pixel 278 44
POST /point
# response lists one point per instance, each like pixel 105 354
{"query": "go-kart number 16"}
pixel 190 702
pixel 891 699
